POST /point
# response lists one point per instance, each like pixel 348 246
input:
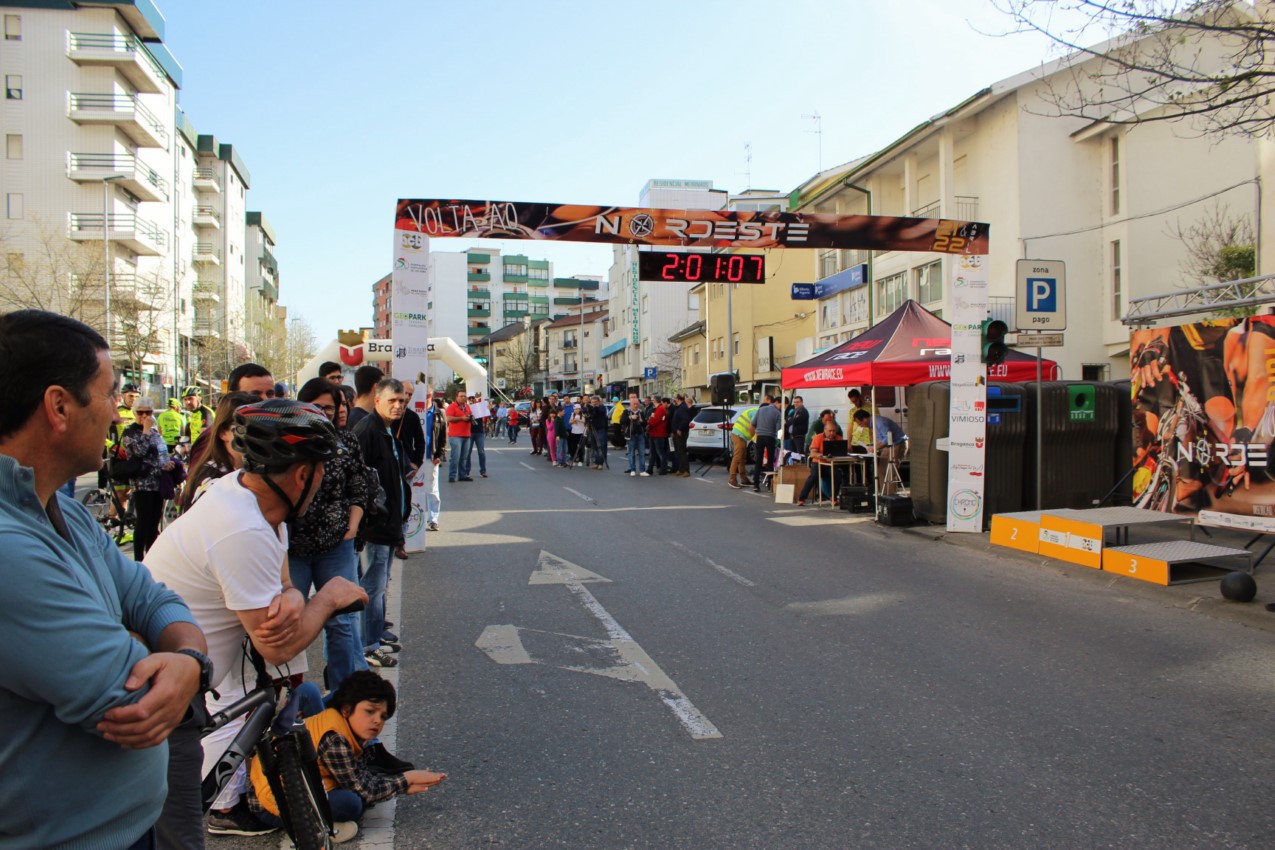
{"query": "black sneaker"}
pixel 237 821
pixel 381 761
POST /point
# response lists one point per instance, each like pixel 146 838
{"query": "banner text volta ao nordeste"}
pixel 438 218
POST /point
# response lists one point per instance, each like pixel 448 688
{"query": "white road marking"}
pixel 581 495
pixel 503 645
pixel 529 466
pixel 703 480
pixel 822 518
pixel 729 573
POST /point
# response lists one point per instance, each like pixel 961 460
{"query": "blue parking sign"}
pixel 1042 295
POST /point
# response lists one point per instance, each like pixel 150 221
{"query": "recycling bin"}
pixel 1081 421
pixel 929 411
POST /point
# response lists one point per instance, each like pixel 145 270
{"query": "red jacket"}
pixel 657 425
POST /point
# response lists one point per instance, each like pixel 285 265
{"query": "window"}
pixel 13 146
pixel 735 344
pixel 538 274
pixel 645 305
pixel 13 87
pixel 516 269
pixel 695 355
pixel 15 205
pixel 1094 371
pixel 13 28
pixel 1115 175
pixel 892 291
pixel 1115 280
pixel 929 282
pixel 830 313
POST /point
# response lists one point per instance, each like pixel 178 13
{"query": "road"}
pixel 737 674
pixel 608 662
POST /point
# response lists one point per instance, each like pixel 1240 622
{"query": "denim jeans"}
pixel 659 455
pixel 345 804
pixel 599 446
pixel 457 451
pixel 637 453
pixel 435 501
pixel 564 449
pixel 476 441
pixel 375 578
pixel 343 638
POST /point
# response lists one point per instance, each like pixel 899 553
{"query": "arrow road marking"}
pixel 619 657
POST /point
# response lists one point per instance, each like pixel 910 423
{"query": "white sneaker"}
pixel 646 475
pixel 633 475
pixel 343 831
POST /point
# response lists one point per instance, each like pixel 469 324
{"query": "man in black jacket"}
pixel 382 534
pixel 680 427
pixel 597 423
pixel 797 425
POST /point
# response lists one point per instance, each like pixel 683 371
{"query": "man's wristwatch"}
pixel 205 668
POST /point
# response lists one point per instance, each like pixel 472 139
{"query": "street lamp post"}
pixel 106 248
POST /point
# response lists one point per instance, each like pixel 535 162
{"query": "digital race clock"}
pixel 701 268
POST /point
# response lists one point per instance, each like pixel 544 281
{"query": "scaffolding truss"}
pixel 1231 295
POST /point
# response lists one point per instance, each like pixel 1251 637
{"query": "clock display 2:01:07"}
pixel 702 268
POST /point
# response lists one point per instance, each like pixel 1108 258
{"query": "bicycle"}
pixel 117 523
pixel 277 735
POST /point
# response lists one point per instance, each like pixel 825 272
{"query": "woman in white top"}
pixel 577 433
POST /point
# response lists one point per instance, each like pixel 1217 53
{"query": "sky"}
pixel 338 109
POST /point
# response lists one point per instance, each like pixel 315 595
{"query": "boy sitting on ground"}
pixel 355 773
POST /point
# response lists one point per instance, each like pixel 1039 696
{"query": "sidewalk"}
pixel 1202 597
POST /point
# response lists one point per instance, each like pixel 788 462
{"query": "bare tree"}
pixel 517 360
pixel 1220 247
pixel 1141 61
pixel 141 305
pixel 668 370
pixel 45 270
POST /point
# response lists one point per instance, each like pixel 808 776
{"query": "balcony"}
pixel 478 295
pixel 206 180
pixel 478 331
pixel 121 110
pixel 205 326
pixel 136 233
pixel 1002 307
pixel 965 209
pixel 124 53
pixel 478 314
pixel 515 278
pixel 475 259
pixel 206 254
pixel 138 178
pixel 206 216
pixel 568 343
pixel 131 297
pixel 206 291
pixel 480 276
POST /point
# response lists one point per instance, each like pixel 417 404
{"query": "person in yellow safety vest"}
pixel 129 394
pixel 198 416
pixel 860 435
pixel 171 423
pixel 741 434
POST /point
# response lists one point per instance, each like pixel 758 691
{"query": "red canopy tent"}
pixel 910 346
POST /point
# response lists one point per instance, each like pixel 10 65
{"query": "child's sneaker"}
pixel 380 658
pixel 237 821
pixel 380 760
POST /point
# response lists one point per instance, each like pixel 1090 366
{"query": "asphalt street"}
pixel 601 661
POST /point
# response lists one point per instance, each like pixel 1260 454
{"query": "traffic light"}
pixel 993 342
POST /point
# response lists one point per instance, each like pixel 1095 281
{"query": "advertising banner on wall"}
pixel 1204 420
pixel 439 218
pixel 966 443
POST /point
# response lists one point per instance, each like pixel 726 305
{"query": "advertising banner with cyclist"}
pixel 1204 420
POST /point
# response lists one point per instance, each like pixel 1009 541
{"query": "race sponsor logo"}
pixel 824 375
pixel 965 504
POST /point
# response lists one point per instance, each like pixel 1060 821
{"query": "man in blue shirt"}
pixel 84 756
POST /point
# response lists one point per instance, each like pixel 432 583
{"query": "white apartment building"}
pixel 1101 198
pixel 644 314
pixel 90 95
pixel 262 312
pixel 573 355
pixel 93 134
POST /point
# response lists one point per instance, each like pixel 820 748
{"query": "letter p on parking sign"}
pixel 1041 303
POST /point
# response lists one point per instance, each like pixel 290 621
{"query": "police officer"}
pixel 198 416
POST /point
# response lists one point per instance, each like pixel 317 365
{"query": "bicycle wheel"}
pixel 300 805
pixel 98 505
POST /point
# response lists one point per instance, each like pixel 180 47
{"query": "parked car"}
pixel 710 431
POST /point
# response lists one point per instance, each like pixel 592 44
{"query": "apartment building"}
pixel 105 178
pixel 1104 199
pixel 473 293
pixel 573 348
pixel 265 316
pixel 89 99
pixel 644 314
pixel 382 308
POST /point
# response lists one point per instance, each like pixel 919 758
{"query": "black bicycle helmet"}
pixel 274 434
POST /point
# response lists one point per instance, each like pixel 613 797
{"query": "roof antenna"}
pixel 818 131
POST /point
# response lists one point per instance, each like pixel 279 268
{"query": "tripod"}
pixel 724 457
pixel 587 448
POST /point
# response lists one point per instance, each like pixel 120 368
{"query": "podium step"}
pixel 1173 562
